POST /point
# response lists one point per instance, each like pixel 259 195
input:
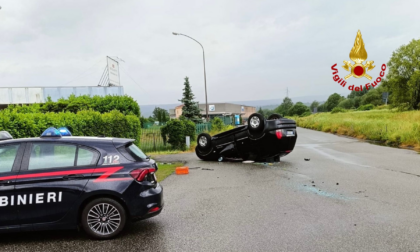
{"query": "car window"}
pixel 7 157
pixel 136 151
pixel 51 155
pixel 87 157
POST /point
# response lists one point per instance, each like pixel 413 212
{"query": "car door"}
pixel 53 176
pixel 10 160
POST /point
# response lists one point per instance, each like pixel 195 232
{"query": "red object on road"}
pixel 181 170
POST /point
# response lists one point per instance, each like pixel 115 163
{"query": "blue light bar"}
pixel 51 132
pixel 64 131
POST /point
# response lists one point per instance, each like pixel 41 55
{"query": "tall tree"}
pixel 161 115
pixel 403 78
pixel 191 111
pixel 285 106
pixel 333 101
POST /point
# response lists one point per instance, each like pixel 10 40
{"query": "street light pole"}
pixel 204 64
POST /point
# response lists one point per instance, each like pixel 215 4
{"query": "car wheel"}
pixel 103 218
pixel 204 141
pixel 256 122
pixel 274 116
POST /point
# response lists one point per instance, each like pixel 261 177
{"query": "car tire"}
pixel 110 222
pixel 274 116
pixel 204 142
pixel 210 156
pixel 256 122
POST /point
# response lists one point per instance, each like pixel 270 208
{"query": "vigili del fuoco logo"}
pixel 358 70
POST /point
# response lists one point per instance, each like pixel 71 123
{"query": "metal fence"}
pixel 201 127
pixel 151 139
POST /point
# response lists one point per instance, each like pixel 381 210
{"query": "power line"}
pixel 132 79
pixel 82 74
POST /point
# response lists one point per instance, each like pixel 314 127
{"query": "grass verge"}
pixel 389 127
pixel 165 170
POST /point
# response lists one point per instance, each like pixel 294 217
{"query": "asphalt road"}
pixel 350 196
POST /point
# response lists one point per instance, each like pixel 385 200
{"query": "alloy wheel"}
pixel 104 219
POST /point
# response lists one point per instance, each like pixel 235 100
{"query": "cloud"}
pixel 254 49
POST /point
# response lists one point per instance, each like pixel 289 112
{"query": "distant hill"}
pixel 147 110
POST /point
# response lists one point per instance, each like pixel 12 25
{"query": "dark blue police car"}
pixel 58 181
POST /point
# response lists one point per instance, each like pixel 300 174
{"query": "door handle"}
pixel 73 177
pixel 3 183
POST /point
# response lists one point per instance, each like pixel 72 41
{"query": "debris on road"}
pixel 307 159
pixel 337 183
pixel 207 169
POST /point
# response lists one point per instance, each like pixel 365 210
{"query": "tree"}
pixel 175 131
pixel 374 97
pixel 190 110
pixel 314 105
pixel 357 101
pixel 268 112
pixel 143 121
pixel 260 111
pixel 346 103
pixel 403 78
pixel 298 109
pixel 284 107
pixel 161 115
pixel 322 107
pixel 354 94
pixel 333 101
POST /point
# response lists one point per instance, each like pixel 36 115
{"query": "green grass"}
pixel 165 170
pixel 391 127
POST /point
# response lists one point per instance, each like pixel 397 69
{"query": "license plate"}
pixel 290 133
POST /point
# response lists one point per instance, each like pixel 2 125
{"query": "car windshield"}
pixel 136 151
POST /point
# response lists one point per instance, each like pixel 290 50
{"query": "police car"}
pixel 59 181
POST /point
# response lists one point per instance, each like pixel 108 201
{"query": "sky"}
pixel 255 50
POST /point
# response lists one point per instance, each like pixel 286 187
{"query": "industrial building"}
pixel 218 110
pixel 109 84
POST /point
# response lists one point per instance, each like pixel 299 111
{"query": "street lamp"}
pixel 204 63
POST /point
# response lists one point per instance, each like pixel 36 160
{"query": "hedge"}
pixel 124 104
pixel 82 123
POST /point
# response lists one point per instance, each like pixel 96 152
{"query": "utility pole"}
pixel 204 63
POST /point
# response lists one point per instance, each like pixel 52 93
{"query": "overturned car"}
pixel 261 140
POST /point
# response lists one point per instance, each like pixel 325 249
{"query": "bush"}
pixel 190 129
pixel 217 124
pixel 337 110
pixel 175 131
pixel 124 104
pixel 346 103
pixel 366 107
pixel 306 114
pixel 82 123
pixel 298 109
